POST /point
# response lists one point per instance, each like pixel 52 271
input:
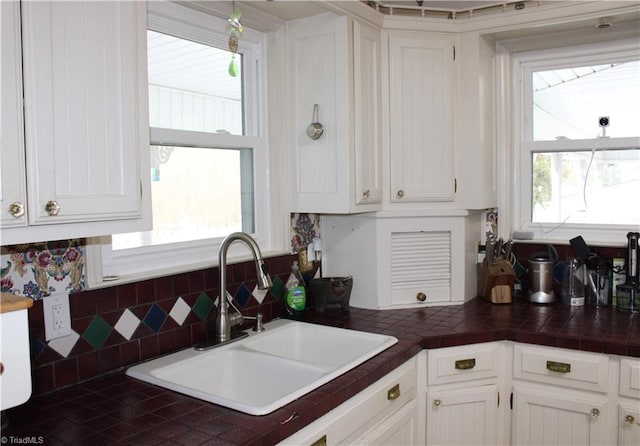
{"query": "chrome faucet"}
pixel 224 321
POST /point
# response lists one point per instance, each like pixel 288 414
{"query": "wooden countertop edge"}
pixel 12 302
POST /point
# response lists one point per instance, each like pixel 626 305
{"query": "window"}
pixel 208 151
pixel 576 142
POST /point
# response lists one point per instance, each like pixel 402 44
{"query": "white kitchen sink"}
pixel 264 371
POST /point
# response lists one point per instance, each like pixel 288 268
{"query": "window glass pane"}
pixel 608 195
pixel 190 87
pixel 569 102
pixel 197 193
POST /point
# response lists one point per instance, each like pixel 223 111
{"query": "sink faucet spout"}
pixel 223 320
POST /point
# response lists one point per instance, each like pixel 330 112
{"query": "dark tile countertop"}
pixel 116 409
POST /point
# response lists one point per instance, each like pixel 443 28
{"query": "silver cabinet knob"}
pixel 52 208
pixel 421 297
pixel 16 209
pixel 595 412
pixel 366 194
pixel 437 403
pixel 400 194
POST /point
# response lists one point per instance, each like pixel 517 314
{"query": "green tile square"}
pixel 277 288
pixel 97 332
pixel 202 306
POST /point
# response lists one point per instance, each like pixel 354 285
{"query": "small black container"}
pixel 331 292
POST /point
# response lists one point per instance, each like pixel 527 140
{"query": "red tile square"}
pixel 88 365
pixel 110 359
pixel 126 296
pixel 163 287
pixel 66 372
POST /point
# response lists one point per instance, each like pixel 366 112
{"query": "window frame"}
pixel 105 266
pixel 516 144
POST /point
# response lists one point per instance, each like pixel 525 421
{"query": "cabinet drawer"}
pixel 630 377
pixel 579 370
pixel 362 412
pixel 456 364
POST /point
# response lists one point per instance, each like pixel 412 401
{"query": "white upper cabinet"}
pixel 420 118
pixel 367 114
pixel 13 192
pixel 86 137
pixel 475 145
pixel 335 64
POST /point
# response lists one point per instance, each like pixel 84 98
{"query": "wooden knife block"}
pixel 495 283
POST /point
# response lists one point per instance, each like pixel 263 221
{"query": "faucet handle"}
pixel 259 325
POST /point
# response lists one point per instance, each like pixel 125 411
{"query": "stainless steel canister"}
pixel 541 278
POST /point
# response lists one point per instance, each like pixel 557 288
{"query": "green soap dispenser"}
pixel 296 296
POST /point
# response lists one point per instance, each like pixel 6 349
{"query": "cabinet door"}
pixel 421 121
pixel 556 416
pixel 399 429
pixel 629 423
pixel 319 56
pixel 366 84
pixel 86 125
pixel 462 416
pixel 13 192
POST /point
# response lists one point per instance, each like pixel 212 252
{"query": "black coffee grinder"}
pixel 627 293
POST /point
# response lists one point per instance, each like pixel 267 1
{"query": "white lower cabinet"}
pixel 513 393
pixel 463 416
pixel 463 394
pixel 385 413
pixel 628 416
pixel 546 415
pixel 560 396
pixel 629 423
pixel 401 428
pixel 491 393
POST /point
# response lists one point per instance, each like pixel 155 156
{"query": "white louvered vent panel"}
pixel 421 262
pixel 420 265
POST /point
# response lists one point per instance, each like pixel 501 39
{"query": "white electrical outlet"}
pixel 57 316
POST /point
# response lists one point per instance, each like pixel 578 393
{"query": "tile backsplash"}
pixel 125 324
pixel 115 327
pixel 121 325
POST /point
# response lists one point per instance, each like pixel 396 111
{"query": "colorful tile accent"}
pixel 65 344
pixel 127 324
pixel 28 270
pixel 180 311
pixel 259 294
pixel 36 347
pixel 203 306
pixel 97 332
pixel 242 296
pixel 278 287
pixel 155 318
